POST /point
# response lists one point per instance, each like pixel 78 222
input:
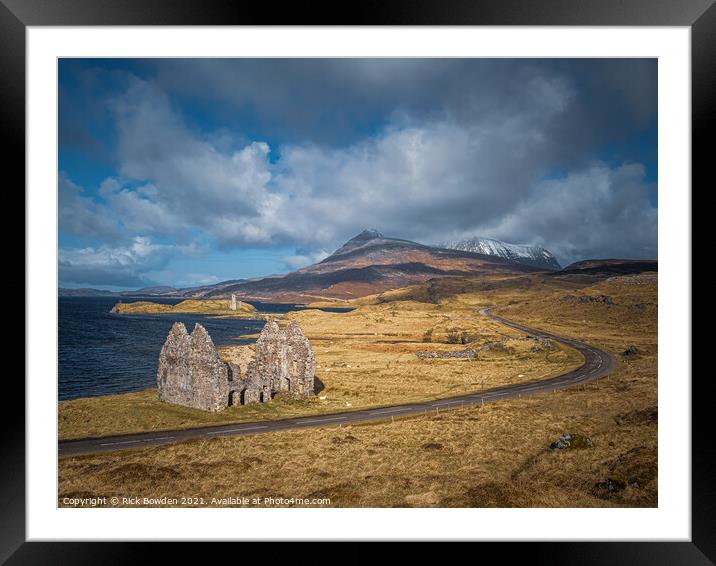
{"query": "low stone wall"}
pixel 466 354
pixel 471 353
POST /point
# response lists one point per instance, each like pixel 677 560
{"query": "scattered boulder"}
pixel 607 488
pixel 561 443
pixel 630 351
pixel 569 441
pixel 636 467
pixel 640 474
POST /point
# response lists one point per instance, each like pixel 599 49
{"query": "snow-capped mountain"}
pixel 529 255
pixel 371 263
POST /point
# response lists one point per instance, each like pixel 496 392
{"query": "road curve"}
pixel 598 363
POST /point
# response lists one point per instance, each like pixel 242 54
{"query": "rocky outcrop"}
pixel 630 351
pixel 192 374
pixel 571 441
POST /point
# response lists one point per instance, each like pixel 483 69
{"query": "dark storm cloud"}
pixel 81 215
pixel 328 100
pixel 71 275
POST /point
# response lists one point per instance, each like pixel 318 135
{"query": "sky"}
pixel 187 172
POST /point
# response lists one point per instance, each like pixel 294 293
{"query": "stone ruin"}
pixel 232 302
pixel 192 374
pixel 284 360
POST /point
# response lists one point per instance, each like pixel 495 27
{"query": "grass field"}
pixel 365 358
pixel 492 456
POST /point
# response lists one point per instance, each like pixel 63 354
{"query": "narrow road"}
pixel 598 363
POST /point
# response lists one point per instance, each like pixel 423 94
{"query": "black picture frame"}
pixel 699 15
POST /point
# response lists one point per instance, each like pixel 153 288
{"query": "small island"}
pixel 230 307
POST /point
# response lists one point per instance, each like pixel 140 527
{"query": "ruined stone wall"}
pixel 266 370
pixel 257 386
pixel 297 361
pixel 285 362
pixel 173 375
pixel 190 372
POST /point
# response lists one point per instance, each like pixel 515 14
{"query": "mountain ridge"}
pixel 371 262
pixel 368 263
pixel 536 256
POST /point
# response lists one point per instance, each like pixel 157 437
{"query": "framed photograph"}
pixel 293 278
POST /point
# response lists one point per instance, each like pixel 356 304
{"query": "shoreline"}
pixel 219 308
pixel 368 356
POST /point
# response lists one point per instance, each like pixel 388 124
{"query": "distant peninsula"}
pixel 213 306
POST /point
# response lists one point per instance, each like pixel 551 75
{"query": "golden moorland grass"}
pixel 493 456
pixel 497 455
pixel 365 358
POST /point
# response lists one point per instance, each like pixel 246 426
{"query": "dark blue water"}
pixel 102 353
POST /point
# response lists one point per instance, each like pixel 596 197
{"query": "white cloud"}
pixel 299 260
pixel 125 265
pixel 473 167
pixel 597 212
pixel 411 178
pixel 81 215
pixel 197 184
pixel 139 209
